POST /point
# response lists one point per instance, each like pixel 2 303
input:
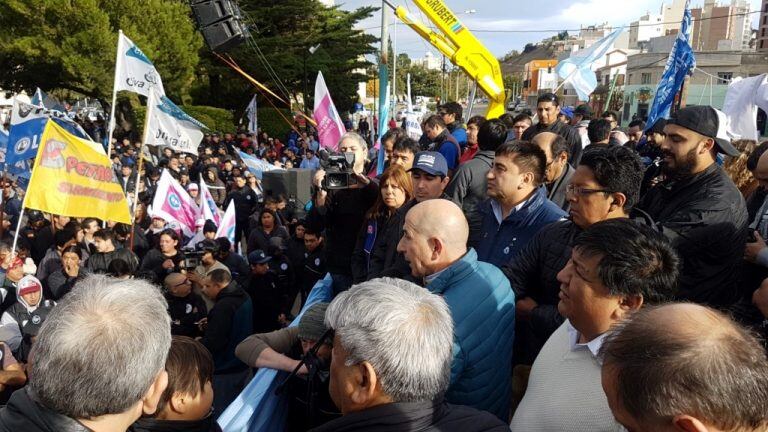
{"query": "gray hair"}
pixel 354 136
pixel 101 347
pixel 404 331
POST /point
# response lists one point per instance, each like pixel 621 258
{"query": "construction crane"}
pixel 463 49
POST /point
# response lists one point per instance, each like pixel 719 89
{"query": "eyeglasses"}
pixel 442 113
pixel 573 190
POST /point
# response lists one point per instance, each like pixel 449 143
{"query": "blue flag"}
pixel 27 124
pixel 255 165
pixel 680 63
pixel 3 145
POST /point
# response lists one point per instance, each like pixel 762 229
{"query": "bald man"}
pixel 185 307
pixel 480 298
pixel 685 367
pixel 559 171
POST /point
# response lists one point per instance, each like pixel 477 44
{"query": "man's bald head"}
pixel 442 219
pixel 761 171
pixel 173 279
pixel 434 236
pixel 684 362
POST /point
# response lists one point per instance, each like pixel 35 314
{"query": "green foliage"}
pixel 57 44
pixel 284 31
pixel 272 123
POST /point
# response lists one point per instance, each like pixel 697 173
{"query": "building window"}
pixel 724 77
pixel 629 79
pixel 645 78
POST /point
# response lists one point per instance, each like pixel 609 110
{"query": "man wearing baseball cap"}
pixel 429 175
pixel 699 208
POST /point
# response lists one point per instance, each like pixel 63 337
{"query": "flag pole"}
pixel 144 140
pixel 118 64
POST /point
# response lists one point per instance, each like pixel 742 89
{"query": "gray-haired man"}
pixel 99 360
pixel 386 378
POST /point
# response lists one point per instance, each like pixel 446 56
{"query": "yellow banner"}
pixel 71 178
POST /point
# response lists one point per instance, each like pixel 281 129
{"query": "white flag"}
pixel 168 125
pixel 253 116
pixel 134 71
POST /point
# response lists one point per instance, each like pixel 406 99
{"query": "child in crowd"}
pixel 186 403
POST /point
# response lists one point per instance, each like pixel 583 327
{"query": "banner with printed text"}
pixel 134 71
pixel 73 179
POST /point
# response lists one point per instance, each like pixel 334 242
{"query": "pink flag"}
pixel 227 226
pixel 174 204
pixel 329 125
pixel 208 208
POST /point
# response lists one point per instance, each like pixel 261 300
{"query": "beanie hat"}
pixel 209 226
pixel 28 285
pixel 312 323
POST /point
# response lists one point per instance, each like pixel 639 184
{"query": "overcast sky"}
pixel 533 15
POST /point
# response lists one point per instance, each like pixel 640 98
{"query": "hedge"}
pixel 216 119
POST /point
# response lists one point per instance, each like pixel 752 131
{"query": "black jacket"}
pixel 245 200
pixel 705 218
pixel 556 189
pixel 570 134
pixel 152 265
pixel 207 424
pixel 99 262
pixel 230 320
pixel 341 217
pixel 25 414
pixel 385 259
pixel 416 416
pixel 238 268
pixel 59 283
pixel 468 189
pixel 185 312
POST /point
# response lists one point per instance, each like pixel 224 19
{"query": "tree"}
pixel 283 32
pixel 71 45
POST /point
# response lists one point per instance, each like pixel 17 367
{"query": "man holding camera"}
pixel 340 212
pixel 207 251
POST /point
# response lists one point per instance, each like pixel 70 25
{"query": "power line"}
pixel 580 29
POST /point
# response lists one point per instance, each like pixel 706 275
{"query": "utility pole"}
pixel 383 59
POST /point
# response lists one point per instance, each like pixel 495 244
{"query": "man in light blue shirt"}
pixel 310 161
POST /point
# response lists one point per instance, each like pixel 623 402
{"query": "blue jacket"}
pixel 483 309
pixel 497 244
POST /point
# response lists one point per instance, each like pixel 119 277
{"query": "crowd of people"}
pixel 555 273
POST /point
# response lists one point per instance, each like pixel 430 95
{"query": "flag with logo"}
pixel 253 116
pixel 577 69
pixel 134 71
pixel 227 226
pixel 255 165
pixel 3 145
pixel 172 203
pixel 42 99
pixel 681 62
pixel 208 208
pixel 167 125
pixel 330 128
pixel 27 124
pixel 72 178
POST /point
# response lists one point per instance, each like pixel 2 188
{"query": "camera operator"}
pixel 203 261
pixel 282 350
pixel 340 212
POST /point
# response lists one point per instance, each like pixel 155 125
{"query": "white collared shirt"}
pixel 593 346
pixel 497 211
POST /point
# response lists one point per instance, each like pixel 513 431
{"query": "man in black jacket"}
pixel 548 108
pixel 468 185
pixel 341 212
pixel 604 186
pixel 228 323
pixel 185 307
pixel 407 395
pixel 699 208
pixel 104 240
pixel 246 201
pixel 559 171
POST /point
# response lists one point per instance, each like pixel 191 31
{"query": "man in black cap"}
pixel 699 208
pixel 267 295
pixel 236 263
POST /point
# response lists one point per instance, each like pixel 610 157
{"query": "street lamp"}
pixel 312 50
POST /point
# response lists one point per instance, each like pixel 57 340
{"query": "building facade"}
pixel 762 32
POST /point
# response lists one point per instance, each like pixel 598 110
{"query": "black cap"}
pixel 658 127
pixel 258 257
pixel 35 216
pixel 709 122
pixel 208 245
pixel 209 226
pixel 583 110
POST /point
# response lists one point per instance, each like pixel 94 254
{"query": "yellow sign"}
pixel 71 178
